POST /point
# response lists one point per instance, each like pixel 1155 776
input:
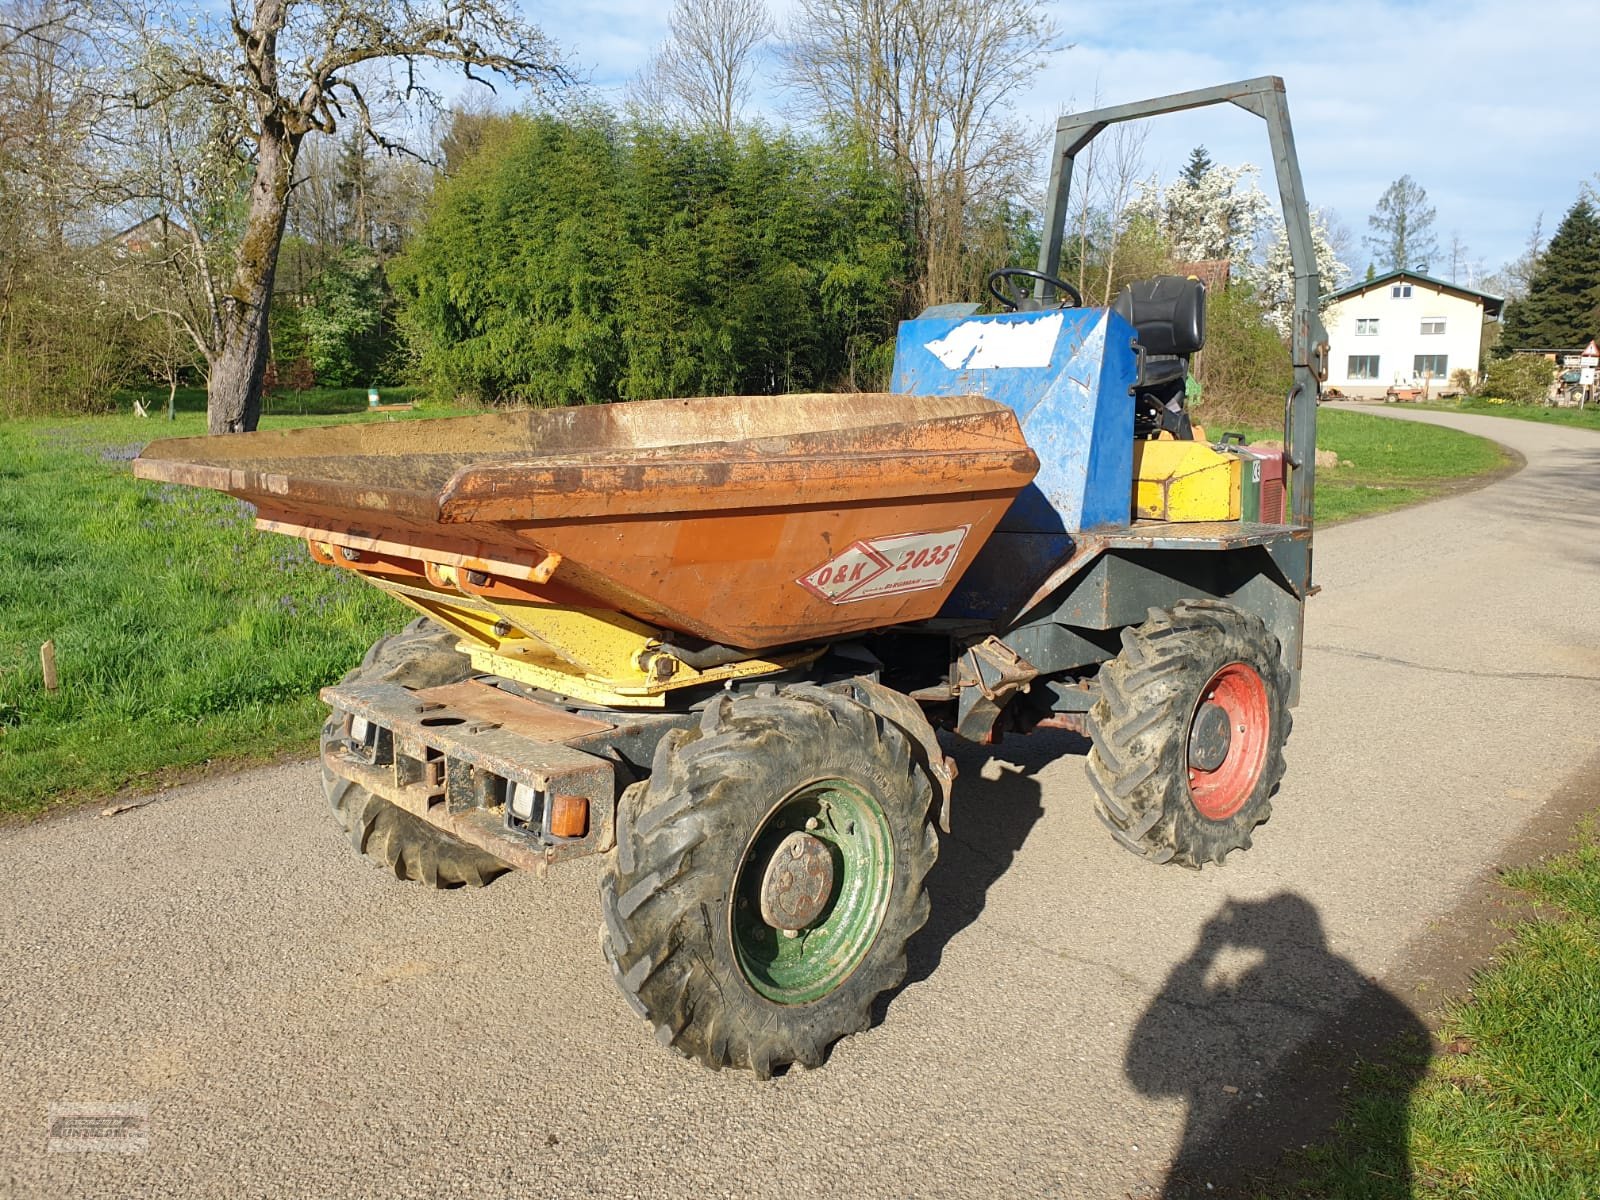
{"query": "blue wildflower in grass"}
pixel 288 556
pixel 121 454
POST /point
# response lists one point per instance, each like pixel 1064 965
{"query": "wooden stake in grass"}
pixel 47 661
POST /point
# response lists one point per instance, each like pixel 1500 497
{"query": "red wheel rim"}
pixel 1239 691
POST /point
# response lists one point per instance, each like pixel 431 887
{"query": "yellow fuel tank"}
pixel 1184 481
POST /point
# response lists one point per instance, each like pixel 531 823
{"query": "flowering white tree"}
pixel 1271 273
pixel 1224 214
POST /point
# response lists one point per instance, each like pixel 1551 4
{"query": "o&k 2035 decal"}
pixel 886 566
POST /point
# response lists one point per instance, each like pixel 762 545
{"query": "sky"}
pixel 1490 106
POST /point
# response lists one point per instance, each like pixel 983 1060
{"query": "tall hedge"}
pixel 587 259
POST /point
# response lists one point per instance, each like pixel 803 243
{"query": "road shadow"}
pixel 1262 986
pixel 990 821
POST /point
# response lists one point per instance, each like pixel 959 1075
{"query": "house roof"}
pixel 1491 304
pixel 1213 272
pixel 160 222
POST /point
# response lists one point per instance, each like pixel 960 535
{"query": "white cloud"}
pixel 1487 105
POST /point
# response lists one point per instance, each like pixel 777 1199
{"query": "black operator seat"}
pixel 1168 314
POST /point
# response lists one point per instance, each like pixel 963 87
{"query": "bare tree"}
pixel 25 25
pixel 279 71
pixel 1119 175
pixel 705 68
pixel 929 85
pixel 1460 261
pixel 45 108
pixel 148 280
pixel 58 343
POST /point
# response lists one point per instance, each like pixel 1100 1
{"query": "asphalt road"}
pixel 300 1025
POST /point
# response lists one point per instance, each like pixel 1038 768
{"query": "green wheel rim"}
pixel 814 961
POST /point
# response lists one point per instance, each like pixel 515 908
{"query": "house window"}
pixel 1363 366
pixel 1401 291
pixel 1366 326
pixel 1432 324
pixel 1430 366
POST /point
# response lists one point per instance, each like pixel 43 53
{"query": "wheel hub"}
pixel 797 883
pixel 811 891
pixel 1210 737
pixel 1228 739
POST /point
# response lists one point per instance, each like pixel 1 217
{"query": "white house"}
pixel 1404 330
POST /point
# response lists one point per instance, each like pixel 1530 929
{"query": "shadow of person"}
pixel 1262 987
pixel 989 823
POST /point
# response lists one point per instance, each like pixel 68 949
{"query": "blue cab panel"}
pixel 1067 374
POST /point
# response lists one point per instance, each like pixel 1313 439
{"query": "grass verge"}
pixel 1585 418
pixel 183 636
pixel 1386 464
pixel 1511 1107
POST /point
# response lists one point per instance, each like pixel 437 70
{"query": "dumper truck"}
pixel 716 640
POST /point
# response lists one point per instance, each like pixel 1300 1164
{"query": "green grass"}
pixel 181 634
pixel 1391 463
pixel 322 402
pixel 1512 1109
pixel 1585 418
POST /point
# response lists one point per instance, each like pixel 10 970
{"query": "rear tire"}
pixel 701 866
pixel 1188 733
pixel 422 655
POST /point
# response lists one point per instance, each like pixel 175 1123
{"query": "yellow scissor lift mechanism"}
pixel 594 656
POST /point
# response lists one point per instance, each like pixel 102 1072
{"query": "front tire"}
pixel 768 878
pixel 1188 733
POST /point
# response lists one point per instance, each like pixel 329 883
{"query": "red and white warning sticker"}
pixel 886 566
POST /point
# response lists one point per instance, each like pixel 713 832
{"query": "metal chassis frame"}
pixel 1263 96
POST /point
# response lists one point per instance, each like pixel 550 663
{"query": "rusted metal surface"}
pixel 530 718
pixel 1072 722
pixel 476 827
pixel 450 761
pixel 797 882
pixel 811 469
pixel 747 521
pixel 989 674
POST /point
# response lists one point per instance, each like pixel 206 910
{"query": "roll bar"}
pixel 1263 96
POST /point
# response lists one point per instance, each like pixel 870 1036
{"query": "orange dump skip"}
pixel 751 521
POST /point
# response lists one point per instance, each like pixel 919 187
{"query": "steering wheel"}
pixel 1014 298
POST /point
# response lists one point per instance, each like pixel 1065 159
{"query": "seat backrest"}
pixel 1169 312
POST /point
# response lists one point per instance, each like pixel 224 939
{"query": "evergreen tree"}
pixel 586 259
pixel 1195 170
pixel 1562 308
pixel 1402 227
